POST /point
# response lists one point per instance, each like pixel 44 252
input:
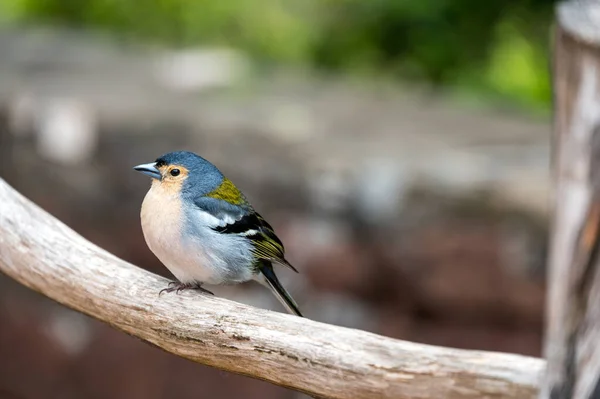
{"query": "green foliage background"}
pixel 493 47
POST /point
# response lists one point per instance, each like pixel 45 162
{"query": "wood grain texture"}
pixel 320 359
pixel 573 322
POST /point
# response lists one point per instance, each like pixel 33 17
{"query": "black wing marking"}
pixel 267 245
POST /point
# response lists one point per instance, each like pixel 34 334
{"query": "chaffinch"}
pixel 203 229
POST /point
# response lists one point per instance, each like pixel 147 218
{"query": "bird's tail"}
pixel 272 282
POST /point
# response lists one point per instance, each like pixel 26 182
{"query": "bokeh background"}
pixel 399 148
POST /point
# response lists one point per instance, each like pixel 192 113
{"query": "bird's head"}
pixel 184 172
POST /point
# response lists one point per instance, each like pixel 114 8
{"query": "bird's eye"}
pixel 175 172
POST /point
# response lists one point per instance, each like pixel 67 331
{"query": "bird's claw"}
pixel 178 287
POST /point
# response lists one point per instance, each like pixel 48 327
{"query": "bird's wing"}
pixel 217 212
pixel 267 245
pixel 245 221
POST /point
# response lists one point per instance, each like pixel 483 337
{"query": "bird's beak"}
pixel 149 169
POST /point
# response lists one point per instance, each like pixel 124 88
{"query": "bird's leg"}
pixel 178 286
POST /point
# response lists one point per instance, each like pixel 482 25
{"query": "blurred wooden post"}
pixel 572 345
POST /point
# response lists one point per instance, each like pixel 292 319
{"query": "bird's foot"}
pixel 178 287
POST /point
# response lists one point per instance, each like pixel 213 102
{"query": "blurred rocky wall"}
pixel 407 215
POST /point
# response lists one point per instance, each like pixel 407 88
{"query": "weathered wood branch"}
pixel 324 360
pixel 573 330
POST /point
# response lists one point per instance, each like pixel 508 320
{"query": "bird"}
pixel 204 230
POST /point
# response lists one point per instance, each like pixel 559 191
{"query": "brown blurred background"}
pixel 400 151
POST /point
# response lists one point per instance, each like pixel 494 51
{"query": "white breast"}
pixel 197 254
pixel 162 224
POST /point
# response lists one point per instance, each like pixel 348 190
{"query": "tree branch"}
pixel 320 359
pixel 573 315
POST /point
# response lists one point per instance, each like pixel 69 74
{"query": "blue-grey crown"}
pixel 203 176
